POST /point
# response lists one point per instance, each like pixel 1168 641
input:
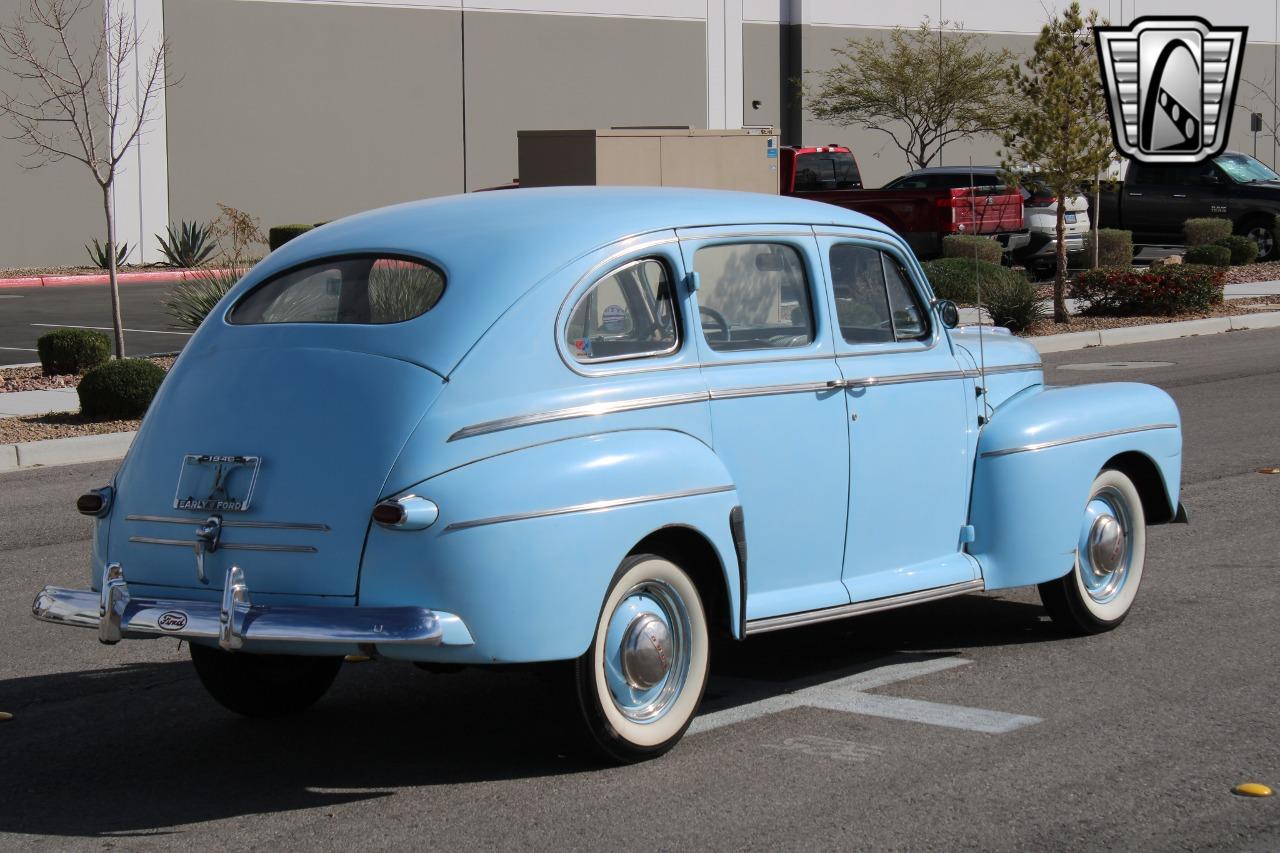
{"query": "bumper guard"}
pixel 235 621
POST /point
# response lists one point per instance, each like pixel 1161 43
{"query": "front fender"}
pixel 1037 460
pixel 528 541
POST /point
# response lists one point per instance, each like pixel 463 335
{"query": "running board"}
pixel 809 617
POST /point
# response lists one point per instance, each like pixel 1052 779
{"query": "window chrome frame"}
pixel 582 294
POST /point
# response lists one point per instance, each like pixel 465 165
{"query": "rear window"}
pixel 832 170
pixel 366 289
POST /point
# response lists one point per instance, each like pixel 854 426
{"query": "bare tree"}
pixel 924 87
pixel 87 104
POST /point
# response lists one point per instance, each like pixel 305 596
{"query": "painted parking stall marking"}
pixel 850 696
pixel 109 328
pixel 829 747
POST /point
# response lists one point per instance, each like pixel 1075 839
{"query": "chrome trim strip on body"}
pixel 810 617
pixel 225 546
pixel 636 404
pixel 258 525
pixel 594 506
pixel 1058 442
pixel 586 411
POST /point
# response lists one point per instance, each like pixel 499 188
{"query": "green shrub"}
pixel 1115 247
pixel 190 301
pixel 1243 250
pixel 971 246
pixel 957 279
pixel 1012 302
pixel 119 389
pixel 1173 289
pixel 72 350
pixel 101 259
pixel 1214 256
pixel 189 245
pixel 1205 231
pixel 278 235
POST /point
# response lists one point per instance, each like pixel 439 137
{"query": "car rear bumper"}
pixel 236 622
pixel 1044 246
pixel 1013 240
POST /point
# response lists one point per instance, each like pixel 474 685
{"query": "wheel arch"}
pixel 690 549
pixel 1145 474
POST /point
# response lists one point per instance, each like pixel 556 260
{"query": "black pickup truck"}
pixel 1154 200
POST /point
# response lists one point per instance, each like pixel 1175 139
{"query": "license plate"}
pixel 1070 218
pixel 209 483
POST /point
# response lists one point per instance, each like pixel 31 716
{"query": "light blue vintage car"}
pixel 605 426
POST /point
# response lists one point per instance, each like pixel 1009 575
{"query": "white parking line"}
pixel 109 328
pixel 18 349
pixel 848 695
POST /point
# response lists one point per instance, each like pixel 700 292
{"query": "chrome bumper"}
pixel 235 621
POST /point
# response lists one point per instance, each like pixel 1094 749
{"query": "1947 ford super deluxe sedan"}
pixel 605 426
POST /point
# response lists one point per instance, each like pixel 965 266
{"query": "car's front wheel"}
pixel 1262 230
pixel 264 685
pixel 641 681
pixel 1099 592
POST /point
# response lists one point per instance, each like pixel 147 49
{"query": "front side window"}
pixel 753 296
pixel 368 290
pixel 627 314
pixel 875 302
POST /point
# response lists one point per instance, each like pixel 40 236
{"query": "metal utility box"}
pixel 744 159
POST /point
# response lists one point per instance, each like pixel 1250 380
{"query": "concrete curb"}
pixel 104 278
pixel 65 451
pixel 1154 332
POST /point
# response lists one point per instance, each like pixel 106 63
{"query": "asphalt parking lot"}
pixel 26 313
pixel 967 724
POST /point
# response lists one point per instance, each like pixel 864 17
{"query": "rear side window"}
pixel 369 290
pixel 629 313
pixel 753 296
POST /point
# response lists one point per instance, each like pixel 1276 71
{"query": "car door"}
pixel 1156 203
pixel 908 411
pixel 777 418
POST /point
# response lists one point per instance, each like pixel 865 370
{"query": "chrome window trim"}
pixel 225 546
pixel 258 525
pixel 915 275
pixel 593 275
pixel 1058 442
pixel 594 506
pixel 809 617
pixel 638 403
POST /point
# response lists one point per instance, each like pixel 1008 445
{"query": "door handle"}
pixel 1179 195
pixel 1135 194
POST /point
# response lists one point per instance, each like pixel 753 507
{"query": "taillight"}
pixel 407 513
pixel 96 502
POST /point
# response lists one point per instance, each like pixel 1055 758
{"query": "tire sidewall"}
pixel 1114 611
pixel 618 736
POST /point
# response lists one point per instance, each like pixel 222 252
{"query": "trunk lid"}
pixel 304 436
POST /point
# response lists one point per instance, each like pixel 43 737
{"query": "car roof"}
pixel 494 247
pixel 952 170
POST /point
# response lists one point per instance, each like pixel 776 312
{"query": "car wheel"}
pixel 1263 232
pixel 1098 593
pixel 641 681
pixel 263 685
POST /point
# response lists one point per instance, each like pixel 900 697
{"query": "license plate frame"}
pixel 1070 217
pixel 213 483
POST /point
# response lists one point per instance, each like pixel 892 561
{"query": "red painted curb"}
pixel 102 278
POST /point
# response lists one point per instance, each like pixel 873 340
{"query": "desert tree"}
pixel 88 102
pixel 1060 130
pixel 923 87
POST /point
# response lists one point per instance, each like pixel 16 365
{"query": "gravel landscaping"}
pixel 57 425
pixel 1082 323
pixel 31 379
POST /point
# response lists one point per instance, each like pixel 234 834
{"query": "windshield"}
pixel 1243 169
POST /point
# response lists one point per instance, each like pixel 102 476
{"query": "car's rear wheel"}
pixel 1099 591
pixel 641 681
pixel 264 685
pixel 1261 230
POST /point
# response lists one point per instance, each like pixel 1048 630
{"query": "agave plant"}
pixel 189 245
pixel 190 301
pixel 100 257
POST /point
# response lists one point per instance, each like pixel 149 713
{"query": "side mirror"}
pixel 948 313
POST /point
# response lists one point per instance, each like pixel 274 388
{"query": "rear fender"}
pixel 528 541
pixel 1037 460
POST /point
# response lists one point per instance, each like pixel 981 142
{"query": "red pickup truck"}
pixel 923 217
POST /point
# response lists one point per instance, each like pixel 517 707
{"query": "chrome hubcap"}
pixel 1106 548
pixel 646 652
pixel 1263 238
